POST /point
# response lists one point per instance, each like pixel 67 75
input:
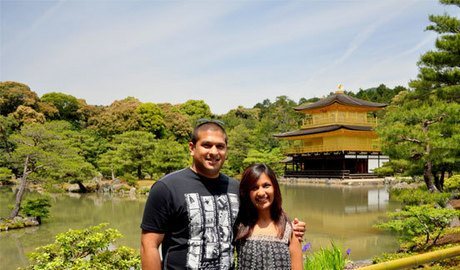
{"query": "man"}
pixel 191 212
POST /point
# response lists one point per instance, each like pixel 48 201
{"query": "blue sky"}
pixel 227 53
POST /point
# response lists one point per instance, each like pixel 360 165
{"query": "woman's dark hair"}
pixel 247 215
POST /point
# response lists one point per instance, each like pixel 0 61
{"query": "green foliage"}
pixel 332 259
pixel 380 94
pixel 385 170
pixel 38 207
pixel 90 248
pixel 133 150
pixel 271 158
pixel 168 156
pixel 385 257
pixel 414 222
pixel 67 106
pixel 130 179
pixel 453 183
pixel 5 176
pixel 177 124
pixel 419 196
pixel 422 125
pixel 151 119
pixel 49 153
pixel 195 109
pixel 117 118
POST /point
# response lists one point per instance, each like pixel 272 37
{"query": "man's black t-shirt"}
pixel 196 214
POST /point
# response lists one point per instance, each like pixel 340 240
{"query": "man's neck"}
pixel 193 168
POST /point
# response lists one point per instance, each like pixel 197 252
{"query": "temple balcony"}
pixel 339 119
pixel 373 146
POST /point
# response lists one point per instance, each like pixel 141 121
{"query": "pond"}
pixel 343 214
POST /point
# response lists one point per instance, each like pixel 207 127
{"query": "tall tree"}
pixel 422 125
pixel 43 150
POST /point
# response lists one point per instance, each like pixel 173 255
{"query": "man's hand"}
pixel 299 229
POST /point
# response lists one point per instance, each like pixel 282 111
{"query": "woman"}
pixel 264 238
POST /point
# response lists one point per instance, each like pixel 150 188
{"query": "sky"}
pixel 227 53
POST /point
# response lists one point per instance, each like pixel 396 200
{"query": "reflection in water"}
pixel 342 214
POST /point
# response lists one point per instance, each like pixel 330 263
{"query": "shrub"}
pixel 90 248
pixel 130 179
pixel 452 183
pixel 414 222
pixel 419 196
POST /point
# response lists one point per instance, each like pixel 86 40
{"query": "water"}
pixel 344 215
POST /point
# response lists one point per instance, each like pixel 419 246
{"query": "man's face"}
pixel 209 152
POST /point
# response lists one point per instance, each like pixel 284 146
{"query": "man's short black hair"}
pixel 208 124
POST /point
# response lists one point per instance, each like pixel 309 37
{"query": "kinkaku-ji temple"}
pixel 336 139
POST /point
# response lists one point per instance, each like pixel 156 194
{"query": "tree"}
pixel 132 152
pixel 14 94
pixel 43 151
pixel 239 143
pixel 422 125
pixel 177 124
pixel 380 94
pixel 117 118
pixel 67 106
pixel 195 109
pixel 151 119
pixel 272 158
pixel 169 156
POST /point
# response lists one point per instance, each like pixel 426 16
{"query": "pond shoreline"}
pixel 335 181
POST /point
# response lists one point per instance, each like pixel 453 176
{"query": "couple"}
pixel 191 213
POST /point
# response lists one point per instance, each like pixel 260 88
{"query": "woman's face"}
pixel 262 193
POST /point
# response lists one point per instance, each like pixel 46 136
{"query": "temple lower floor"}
pixel 333 165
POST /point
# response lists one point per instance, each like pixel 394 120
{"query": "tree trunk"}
pixel 83 189
pixel 428 176
pixel 113 174
pixel 441 180
pixel 22 187
pixel 139 172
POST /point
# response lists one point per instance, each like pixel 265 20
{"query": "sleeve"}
pixel 158 209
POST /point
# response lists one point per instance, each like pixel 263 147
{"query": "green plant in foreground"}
pixel 90 248
pixel 331 259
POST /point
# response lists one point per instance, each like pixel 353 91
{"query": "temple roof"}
pixel 341 98
pixel 310 131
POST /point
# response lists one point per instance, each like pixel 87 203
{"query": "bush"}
pixel 415 222
pixel 419 196
pixel 38 208
pixel 90 248
pixel 384 171
pixel 130 179
pixel 452 183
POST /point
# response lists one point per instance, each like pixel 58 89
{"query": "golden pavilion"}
pixel 336 139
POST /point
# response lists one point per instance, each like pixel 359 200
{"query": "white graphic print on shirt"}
pixel 211 220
